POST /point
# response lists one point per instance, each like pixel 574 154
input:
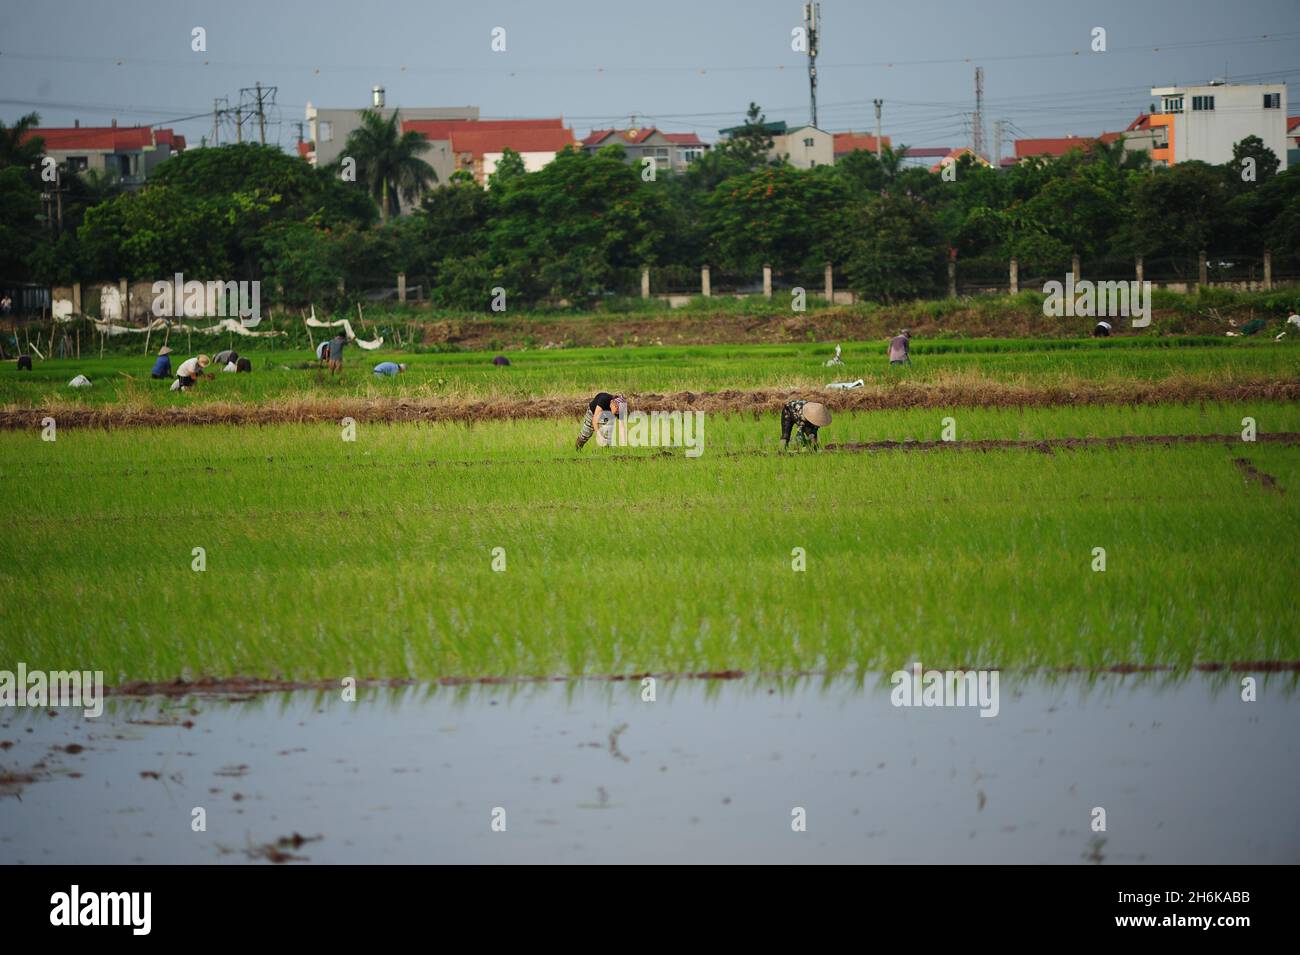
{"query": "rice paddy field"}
pixel 374 557
pixel 500 598
pixel 122 379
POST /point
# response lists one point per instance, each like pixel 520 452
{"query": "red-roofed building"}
pixel 478 146
pixel 1144 134
pixel 846 143
pixel 126 153
pixel 1052 147
pixel 673 151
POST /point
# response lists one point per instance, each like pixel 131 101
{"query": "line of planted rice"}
pixel 375 558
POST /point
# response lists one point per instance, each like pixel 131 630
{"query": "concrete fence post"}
pixel 123 296
pixel 767 281
pixel 76 298
pixel 706 286
pixel 1268 270
pixel 401 286
pixel 1015 276
pixel 952 278
pixel 1141 270
pixel 342 288
pixel 1074 267
pixel 645 283
pixel 830 284
pixel 1204 269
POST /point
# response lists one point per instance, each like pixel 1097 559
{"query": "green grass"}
pixel 373 558
pixel 666 368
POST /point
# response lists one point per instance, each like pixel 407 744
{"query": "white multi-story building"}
pixel 1205 122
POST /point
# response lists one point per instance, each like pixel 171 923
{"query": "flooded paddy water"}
pixel 712 770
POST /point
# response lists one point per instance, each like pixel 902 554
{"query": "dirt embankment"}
pixel 827 325
pixel 1049 445
pixel 981 394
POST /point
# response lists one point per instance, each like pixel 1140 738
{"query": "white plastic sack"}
pixel 314 322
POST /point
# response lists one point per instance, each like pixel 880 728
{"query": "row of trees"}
pixel 586 224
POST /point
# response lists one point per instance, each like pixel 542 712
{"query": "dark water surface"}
pixel 586 771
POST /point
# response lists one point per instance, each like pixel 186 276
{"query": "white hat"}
pixel 816 413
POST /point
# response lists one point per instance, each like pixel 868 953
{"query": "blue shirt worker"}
pixel 162 368
pixel 389 368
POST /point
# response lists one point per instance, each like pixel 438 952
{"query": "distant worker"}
pixel 389 368
pixel 24 362
pixel 162 368
pixel 803 418
pixel 501 361
pixel 6 304
pixel 224 358
pixel 1102 330
pixel 600 410
pixel 900 348
pixel 1290 327
pixel 337 344
pixel 244 364
pixel 188 374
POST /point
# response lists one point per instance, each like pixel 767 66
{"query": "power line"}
pixel 1154 47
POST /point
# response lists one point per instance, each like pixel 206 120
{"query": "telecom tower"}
pixel 811 18
pixel 977 121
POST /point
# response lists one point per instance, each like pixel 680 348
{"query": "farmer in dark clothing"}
pixel 899 350
pixel 600 409
pixel 162 368
pixel 336 352
pixel 24 362
pixel 803 418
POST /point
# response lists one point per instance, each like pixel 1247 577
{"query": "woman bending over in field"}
pixel 599 410
pixel 804 418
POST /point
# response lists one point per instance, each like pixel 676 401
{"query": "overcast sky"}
pixel 679 64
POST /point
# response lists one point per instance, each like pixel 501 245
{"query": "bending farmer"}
pixel 599 410
pixel 804 418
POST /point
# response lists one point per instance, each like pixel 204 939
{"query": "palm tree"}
pixel 1114 154
pixel 891 160
pixel 387 159
pixel 13 150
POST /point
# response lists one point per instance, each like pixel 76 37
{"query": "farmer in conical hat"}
pixel 162 368
pixel 191 371
pixel 803 418
pixel 900 351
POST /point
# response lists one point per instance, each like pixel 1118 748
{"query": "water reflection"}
pixel 711 770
